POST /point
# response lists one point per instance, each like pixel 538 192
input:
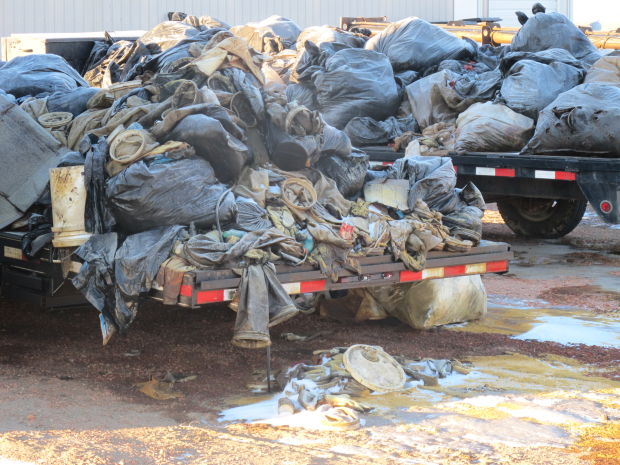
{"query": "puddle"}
pixel 564 326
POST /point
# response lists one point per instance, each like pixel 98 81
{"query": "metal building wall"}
pixel 24 16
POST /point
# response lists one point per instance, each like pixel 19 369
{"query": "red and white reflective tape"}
pixel 503 172
pixel 557 175
pixel 374 164
pixel 225 295
pixel 451 271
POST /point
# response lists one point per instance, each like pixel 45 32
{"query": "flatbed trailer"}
pixel 41 280
pixel 537 195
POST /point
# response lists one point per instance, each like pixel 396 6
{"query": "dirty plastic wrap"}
pixel 148 194
pixel 271 35
pixel 605 71
pixel 490 127
pixel 441 96
pixel 415 44
pixel 320 34
pixel 74 102
pixel 211 141
pixel 251 216
pixel 434 302
pixel 356 82
pixel 531 84
pixel 136 264
pixel 36 74
pixel 554 30
pixel 365 131
pixel 348 172
pixel 582 120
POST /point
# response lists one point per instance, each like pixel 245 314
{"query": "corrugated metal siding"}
pixel 23 16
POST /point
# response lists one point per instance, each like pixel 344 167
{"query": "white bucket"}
pixel 68 194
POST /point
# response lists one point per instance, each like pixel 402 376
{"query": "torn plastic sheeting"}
pixel 365 131
pixel 434 302
pixel 415 44
pixel 582 120
pixel 211 141
pixel 529 86
pixel 490 127
pixel 356 82
pixel 23 182
pixel 36 74
pixel 439 97
pixel 147 195
pixel 349 173
pixel 136 264
pixel 554 30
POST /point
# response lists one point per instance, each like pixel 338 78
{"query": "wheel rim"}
pixel 536 210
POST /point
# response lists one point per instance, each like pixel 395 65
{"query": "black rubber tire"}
pixel 542 218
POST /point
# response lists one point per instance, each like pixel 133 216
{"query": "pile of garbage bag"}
pixel 207 146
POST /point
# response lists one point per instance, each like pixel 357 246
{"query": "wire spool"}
pixel 55 120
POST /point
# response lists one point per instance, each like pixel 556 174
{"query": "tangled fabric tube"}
pixel 131 145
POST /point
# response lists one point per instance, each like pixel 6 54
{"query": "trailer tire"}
pixel 542 218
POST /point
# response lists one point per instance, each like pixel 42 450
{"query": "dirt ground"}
pixel 65 399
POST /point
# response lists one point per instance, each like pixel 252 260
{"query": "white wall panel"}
pixel 24 16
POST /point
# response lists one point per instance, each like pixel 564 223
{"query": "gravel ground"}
pixel 67 399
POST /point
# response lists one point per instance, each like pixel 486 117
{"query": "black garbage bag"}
pixel 582 120
pixel 97 54
pixel 151 193
pixel 227 154
pixel 348 172
pixel 36 74
pixel 98 218
pixel 491 55
pixel 321 34
pixel 431 179
pixel 365 131
pixel 442 95
pixel 530 86
pixel 136 264
pixel 356 82
pixel 312 58
pixel 415 44
pixel 302 94
pixel 464 66
pixel 335 142
pixel 554 30
pixel 271 35
pixel 73 101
